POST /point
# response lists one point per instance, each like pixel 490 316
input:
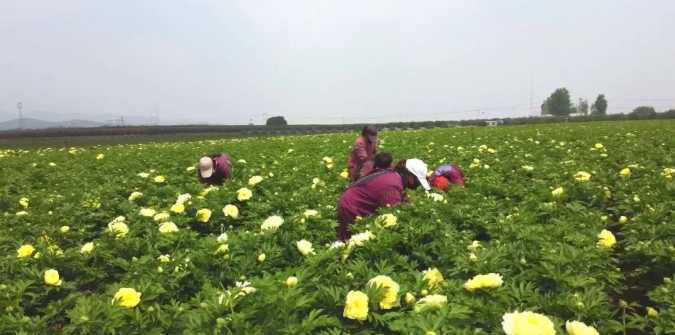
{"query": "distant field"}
pixel 571 221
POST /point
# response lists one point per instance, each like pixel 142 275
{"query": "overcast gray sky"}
pixel 228 62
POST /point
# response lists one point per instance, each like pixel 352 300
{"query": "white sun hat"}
pixel 419 169
pixel 206 167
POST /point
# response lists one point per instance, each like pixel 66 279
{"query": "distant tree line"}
pixel 640 113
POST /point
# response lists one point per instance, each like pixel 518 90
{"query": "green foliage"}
pixel 544 246
pixel 642 113
pixel 276 121
pixel 559 103
pixel 599 107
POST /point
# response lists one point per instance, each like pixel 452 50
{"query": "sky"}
pixel 230 62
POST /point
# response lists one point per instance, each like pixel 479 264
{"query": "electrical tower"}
pixel 19 106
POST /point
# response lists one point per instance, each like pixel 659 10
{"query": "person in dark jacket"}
pixel 379 190
pixel 214 169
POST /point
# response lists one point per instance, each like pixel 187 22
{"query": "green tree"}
pixel 582 108
pixel 642 113
pixel 599 107
pixel 277 121
pixel 558 103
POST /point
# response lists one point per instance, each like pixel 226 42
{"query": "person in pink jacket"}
pixel 365 146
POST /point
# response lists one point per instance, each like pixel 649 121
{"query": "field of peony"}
pixel 565 228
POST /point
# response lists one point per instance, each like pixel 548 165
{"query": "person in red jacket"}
pixel 445 175
pixel 365 146
pixel 378 190
pixel 214 169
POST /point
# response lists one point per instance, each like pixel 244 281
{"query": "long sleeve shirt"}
pixel 451 172
pixel 367 195
pixel 359 155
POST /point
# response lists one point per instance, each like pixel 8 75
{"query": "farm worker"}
pixel 447 174
pixel 214 169
pixel 364 147
pixel 379 162
pixel 378 190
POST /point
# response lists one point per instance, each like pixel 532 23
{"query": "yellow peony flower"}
pixel 328 160
pixel 183 198
pixel 87 247
pixel 190 168
pixel 272 222
pixel 310 213
pixel 344 174
pixel 582 176
pixel 120 229
pixel 231 211
pixel 433 276
pixel 52 164
pixel 625 173
pixel 668 173
pixel 473 258
pixel 21 213
pixel 475 245
pixel 160 179
pixel 64 229
pixel 390 298
pixel 222 238
pixel 430 302
pixel 387 220
pixel 579 328
pixel 623 219
pixel 52 278
pixel 127 297
pixel 636 199
pixel 361 238
pixel 168 227
pixel 291 281
pixel 178 208
pixel 24 202
pixel 261 258
pixel 223 248
pixel 203 215
pixel 143 175
pixel 148 212
pixel 558 192
pixel 244 194
pixel 488 281
pixel 25 250
pixel 527 323
pixel 100 156
pixel 135 195
pixel 607 239
pixel 599 146
pixel 356 306
pixel 255 180
pixel 409 298
pixel 164 258
pixel 305 247
pixel 162 216
pixel 652 312
pixel 528 168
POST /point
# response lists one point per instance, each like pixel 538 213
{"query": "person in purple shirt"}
pixel 378 190
pixel 214 169
pixel 447 174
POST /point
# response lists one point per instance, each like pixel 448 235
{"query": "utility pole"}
pixel 531 98
pixel 264 118
pixel 19 106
